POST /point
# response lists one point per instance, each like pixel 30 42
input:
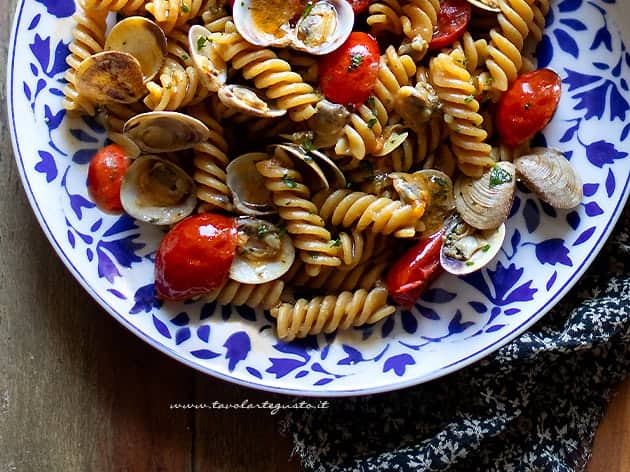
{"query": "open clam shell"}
pixel 249 193
pixel 485 202
pixel 264 252
pixel 322 25
pixel 550 175
pixel 249 101
pixel 143 39
pixel 165 131
pixel 211 66
pixel 487 5
pixel 110 77
pixel 157 191
pixel 466 249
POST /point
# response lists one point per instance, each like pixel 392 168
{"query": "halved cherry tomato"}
pixel 348 74
pixel 359 6
pixel 453 19
pixel 412 274
pixel 105 173
pixel 195 256
pixel 527 106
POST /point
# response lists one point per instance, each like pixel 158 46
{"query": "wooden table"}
pixel 78 392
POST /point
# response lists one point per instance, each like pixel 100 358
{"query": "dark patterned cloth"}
pixel 534 405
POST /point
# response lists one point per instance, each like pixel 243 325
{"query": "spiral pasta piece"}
pixel 210 161
pixel 292 197
pixel 454 88
pixel 264 295
pixel 364 211
pixel 385 16
pixel 127 7
pixel 88 38
pixel 331 312
pixel 172 13
pixel 418 21
pixel 506 41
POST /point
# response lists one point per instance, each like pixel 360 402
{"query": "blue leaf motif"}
pixel 593 101
pixel 573 218
pixel 354 356
pixel 585 236
pixel 456 326
pixel 71 239
pixel 181 335
pixel 478 307
pixel 610 183
pixel 531 213
pixel 238 346
pixel 618 104
pixel 593 209
pixel 566 42
pixel 427 312
pixel 83 156
pixel 544 51
pixel 570 132
pixel 27 91
pixel 145 300
pixel 204 354
pixel 47 166
pixel 590 189
pixel 552 280
pixel 387 326
pixel 246 313
pixel 254 372
pixel 34 22
pixel 106 267
pixel 398 363
pixel 553 251
pixel 283 366
pixel 602 37
pixel 41 50
pixel 117 294
pixel 122 224
pixel 181 319
pixel 59 60
pixel 323 381
pixel 83 136
pixel 601 152
pixel 123 249
pixel 207 310
pixel 438 295
pixel 574 24
pixel 494 328
pixel 292 348
pixel 569 5
pixel 409 322
pixel 161 327
pixel 59 8
pixel 300 374
pixel 53 120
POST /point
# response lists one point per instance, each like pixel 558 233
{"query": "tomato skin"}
pixel 359 6
pixel 453 19
pixel 195 256
pixel 105 173
pixel 348 74
pixel 412 274
pixel 527 106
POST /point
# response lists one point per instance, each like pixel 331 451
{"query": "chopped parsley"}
pixel 262 231
pixel 499 176
pixel 470 263
pixel 307 144
pixel 371 122
pixel 355 62
pixel 202 41
pixel 335 242
pixel 371 101
pixel 288 181
pixel 307 10
pixel 185 8
pixel 469 98
pixel 440 181
pixel 185 57
pixel 485 248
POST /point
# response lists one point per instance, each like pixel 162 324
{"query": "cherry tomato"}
pixel 527 106
pixel 411 275
pixel 453 19
pixel 195 256
pixel 105 173
pixel 359 6
pixel 348 74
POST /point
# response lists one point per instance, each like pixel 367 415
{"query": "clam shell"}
pixel 157 191
pixel 248 100
pixel 265 269
pixel 211 66
pixel 547 173
pixel 249 193
pixel 165 131
pixel 485 202
pixel 323 25
pixel 143 39
pixel 478 247
pixel 487 5
pixel 110 77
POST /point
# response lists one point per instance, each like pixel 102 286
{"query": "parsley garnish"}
pixel 486 248
pixel 185 8
pixel 469 98
pixel 307 10
pixel 355 62
pixel 371 122
pixel 288 181
pixel 262 231
pixel 335 242
pixel 202 41
pixel 499 176
pixel 371 101
pixel 307 144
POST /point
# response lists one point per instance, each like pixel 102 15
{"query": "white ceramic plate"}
pixel 457 322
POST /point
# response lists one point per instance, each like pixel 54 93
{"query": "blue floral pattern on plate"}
pixel 457 321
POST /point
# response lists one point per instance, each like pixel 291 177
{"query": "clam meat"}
pixel 249 193
pixel 165 131
pixel 211 66
pixel 314 26
pixel 264 252
pixel 157 191
pixel 248 100
pixel 466 249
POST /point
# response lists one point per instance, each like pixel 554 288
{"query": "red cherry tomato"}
pixel 411 275
pixel 195 256
pixel 453 19
pixel 105 173
pixel 359 6
pixel 527 106
pixel 348 74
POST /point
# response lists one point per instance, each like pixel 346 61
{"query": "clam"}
pixel 487 5
pixel 249 193
pixel 157 191
pixel 319 170
pixel 466 249
pixel 164 131
pixel 485 202
pixel 547 173
pixel 317 26
pixel 209 63
pixel 248 100
pixel 328 123
pixel 264 252
pixel 110 77
pixel 417 105
pixel 143 39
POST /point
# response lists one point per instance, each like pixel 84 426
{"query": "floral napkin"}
pixel 533 405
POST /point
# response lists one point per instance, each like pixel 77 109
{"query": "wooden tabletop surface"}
pixel 78 392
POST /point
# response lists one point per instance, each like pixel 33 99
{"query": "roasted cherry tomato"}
pixel 348 74
pixel 410 276
pixel 105 173
pixel 453 19
pixel 359 6
pixel 195 256
pixel 527 106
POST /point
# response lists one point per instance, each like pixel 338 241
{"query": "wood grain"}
pixel 78 392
